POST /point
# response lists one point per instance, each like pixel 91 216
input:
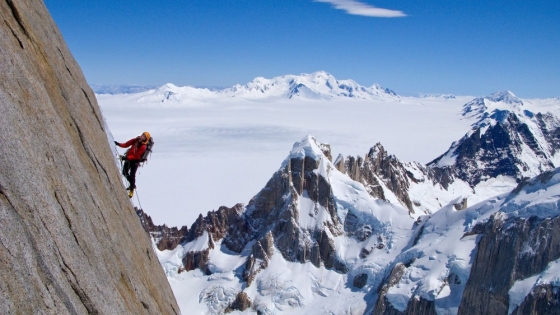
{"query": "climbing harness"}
pixel 149 143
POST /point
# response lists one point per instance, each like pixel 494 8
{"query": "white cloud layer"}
pixel 359 8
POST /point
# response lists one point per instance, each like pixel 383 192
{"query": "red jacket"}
pixel 136 150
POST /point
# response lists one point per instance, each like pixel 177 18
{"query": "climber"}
pixel 133 157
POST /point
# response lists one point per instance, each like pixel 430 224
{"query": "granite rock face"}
pixel 70 241
pixel 502 258
pixel 275 211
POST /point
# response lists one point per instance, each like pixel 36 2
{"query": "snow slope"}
pixel 444 251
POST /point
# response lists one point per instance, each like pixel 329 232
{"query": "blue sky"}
pixel 463 47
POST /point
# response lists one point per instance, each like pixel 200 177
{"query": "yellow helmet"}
pixel 147 134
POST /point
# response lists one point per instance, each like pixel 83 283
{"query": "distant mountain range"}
pixel 317 85
pixel 121 88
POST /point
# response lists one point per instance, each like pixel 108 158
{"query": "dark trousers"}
pixel 129 172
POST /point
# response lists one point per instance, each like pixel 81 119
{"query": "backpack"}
pixel 148 151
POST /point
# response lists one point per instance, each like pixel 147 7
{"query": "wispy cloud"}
pixel 359 8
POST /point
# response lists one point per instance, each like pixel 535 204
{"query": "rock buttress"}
pixel 70 242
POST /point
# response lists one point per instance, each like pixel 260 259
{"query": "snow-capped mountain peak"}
pixel 309 147
pixel 504 96
pixel 484 107
pixel 169 92
pixel 511 137
pixel 316 85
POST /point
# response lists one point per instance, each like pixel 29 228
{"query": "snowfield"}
pixel 213 149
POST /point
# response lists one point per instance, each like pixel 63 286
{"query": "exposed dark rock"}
pixel 502 258
pixel 353 166
pixel 258 260
pixel 340 164
pixel 264 248
pixel 461 205
pixel 360 280
pixel 550 128
pixel 326 149
pixel 390 170
pixel 379 170
pixel 326 249
pixel 164 237
pixel 241 303
pixel 275 210
pixel 444 176
pixel 252 267
pixel 353 226
pixel 453 279
pixel 217 223
pixel 194 260
pixel 416 305
pixel 365 252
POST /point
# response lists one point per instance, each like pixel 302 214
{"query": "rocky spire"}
pixel 381 174
pixel 163 236
pixel 296 208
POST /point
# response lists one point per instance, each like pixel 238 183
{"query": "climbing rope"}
pixel 138 198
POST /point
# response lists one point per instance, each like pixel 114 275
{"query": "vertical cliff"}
pixel 70 241
pixel 509 251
